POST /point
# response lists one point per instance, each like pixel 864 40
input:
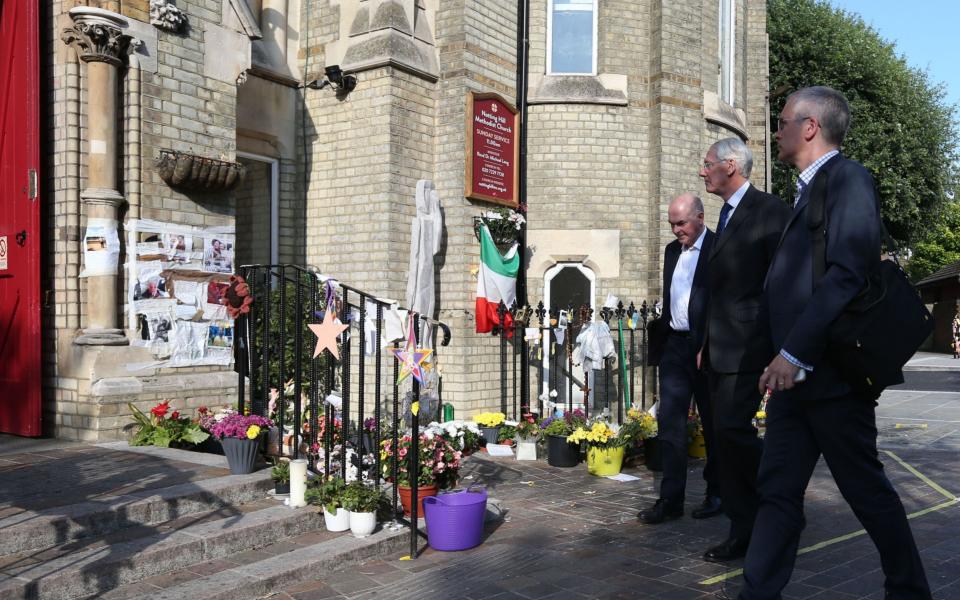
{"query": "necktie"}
pixel 724 215
pixel 801 184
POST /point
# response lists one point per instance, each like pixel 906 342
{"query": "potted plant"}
pixel 506 434
pixel 556 429
pixel 464 436
pixel 490 423
pixel 643 426
pixel 240 436
pixel 362 502
pixel 280 473
pixel 527 432
pixel 164 428
pixel 437 467
pixel 329 496
pixel 605 446
pixel 696 444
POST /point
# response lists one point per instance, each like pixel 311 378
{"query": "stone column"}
pixel 97 35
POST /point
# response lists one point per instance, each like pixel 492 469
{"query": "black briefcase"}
pixel 879 331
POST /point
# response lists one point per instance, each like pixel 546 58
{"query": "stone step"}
pixel 263 577
pixel 46 528
pixel 97 569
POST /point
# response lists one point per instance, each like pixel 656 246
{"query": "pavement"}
pixel 567 534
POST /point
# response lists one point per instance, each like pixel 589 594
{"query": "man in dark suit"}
pixel 822 414
pixel 737 343
pixel 685 298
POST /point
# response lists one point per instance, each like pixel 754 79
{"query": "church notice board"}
pixel 493 150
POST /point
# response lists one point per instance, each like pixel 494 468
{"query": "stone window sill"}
pixel 578 89
pixel 717 111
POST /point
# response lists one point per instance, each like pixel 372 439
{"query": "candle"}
pixel 298 482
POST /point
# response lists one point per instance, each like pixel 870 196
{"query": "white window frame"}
pixel 593 68
pixel 274 201
pixel 547 278
pixel 726 47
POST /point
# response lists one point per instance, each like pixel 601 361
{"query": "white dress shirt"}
pixel 735 199
pixel 682 283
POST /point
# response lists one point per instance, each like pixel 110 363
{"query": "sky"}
pixel 923 31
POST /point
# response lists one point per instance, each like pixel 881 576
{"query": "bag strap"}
pixel 817 223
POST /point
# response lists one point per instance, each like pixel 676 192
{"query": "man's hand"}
pixel 779 375
pixel 699 356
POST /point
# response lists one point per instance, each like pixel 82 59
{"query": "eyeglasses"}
pixel 782 123
pixel 707 165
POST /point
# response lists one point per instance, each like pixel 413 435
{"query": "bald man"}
pixel 685 299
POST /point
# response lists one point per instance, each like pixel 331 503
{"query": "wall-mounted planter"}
pixel 192 172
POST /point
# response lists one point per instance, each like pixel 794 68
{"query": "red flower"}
pixel 175 415
pixel 161 409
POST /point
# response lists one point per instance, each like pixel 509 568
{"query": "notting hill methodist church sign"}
pixel 492 149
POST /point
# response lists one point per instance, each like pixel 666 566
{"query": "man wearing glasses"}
pixel 822 415
pixel 737 345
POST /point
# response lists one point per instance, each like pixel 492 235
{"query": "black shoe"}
pixel 709 508
pixel 732 549
pixel 659 512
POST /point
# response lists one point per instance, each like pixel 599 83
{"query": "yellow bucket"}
pixel 604 461
pixel 697 447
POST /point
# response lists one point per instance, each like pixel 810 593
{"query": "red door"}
pixel 19 217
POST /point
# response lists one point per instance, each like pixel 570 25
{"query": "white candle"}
pixel 298 482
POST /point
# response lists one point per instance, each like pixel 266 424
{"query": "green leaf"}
pixel 194 435
pixel 161 438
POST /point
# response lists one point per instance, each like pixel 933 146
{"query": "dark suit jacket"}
pixel 699 298
pixel 800 316
pixel 738 338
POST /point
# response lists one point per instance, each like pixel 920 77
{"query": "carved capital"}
pixel 97 35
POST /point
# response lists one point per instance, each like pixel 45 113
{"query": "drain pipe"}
pixel 523 76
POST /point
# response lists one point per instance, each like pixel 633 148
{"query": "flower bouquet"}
pixel 164 428
pixel 490 423
pixel 462 435
pixel 504 225
pixel 642 427
pixel 527 432
pixel 240 436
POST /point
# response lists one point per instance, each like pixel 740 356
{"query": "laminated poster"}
pixel 101 248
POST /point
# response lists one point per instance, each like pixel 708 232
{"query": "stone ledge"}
pixel 717 111
pixel 606 88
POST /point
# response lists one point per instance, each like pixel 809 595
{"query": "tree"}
pixel 902 129
pixel 940 247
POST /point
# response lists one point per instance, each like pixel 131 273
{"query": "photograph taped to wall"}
pixel 101 247
pixel 155 328
pixel 178 248
pixel 220 334
pixel 216 291
pixel 218 254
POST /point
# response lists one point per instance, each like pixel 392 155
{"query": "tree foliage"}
pixel 940 247
pixel 902 131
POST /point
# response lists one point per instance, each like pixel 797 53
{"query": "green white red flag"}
pixel 496 281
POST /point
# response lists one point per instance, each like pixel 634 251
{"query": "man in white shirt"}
pixel 685 299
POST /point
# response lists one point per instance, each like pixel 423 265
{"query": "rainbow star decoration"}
pixel 411 358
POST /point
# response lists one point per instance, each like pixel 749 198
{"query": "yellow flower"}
pixel 252 432
pixel 761 414
pixel 490 419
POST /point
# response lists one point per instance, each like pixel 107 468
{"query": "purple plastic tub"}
pixel 455 521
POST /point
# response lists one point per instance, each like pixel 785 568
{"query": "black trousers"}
pixel 735 400
pixel 844 430
pixel 679 382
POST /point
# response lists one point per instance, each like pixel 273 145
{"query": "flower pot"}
pixel 338 521
pixel 697 448
pixel 526 450
pixel 490 434
pixel 561 453
pixel 281 488
pixel 422 492
pixel 241 454
pixel 362 524
pixel 455 521
pixel 651 454
pixel 604 461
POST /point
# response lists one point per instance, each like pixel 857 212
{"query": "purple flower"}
pixel 370 424
pixel 236 426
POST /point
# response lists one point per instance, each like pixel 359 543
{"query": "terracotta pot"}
pixel 422 492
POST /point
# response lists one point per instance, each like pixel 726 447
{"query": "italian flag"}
pixel 496 281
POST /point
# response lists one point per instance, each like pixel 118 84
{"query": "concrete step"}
pixel 98 568
pixel 42 529
pixel 263 577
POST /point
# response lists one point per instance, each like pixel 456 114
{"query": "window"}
pixel 572 37
pixel 726 46
pixel 257 211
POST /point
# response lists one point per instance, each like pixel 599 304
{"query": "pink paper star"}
pixel 327 334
